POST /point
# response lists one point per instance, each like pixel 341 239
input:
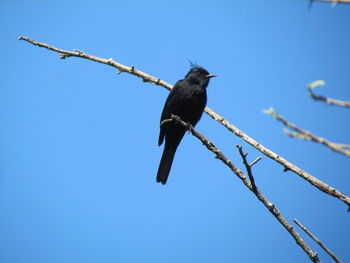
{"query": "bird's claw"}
pixel 175 117
pixel 189 127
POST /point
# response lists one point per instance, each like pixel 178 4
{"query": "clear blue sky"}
pixel 78 143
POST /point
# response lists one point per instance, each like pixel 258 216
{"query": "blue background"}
pixel 78 143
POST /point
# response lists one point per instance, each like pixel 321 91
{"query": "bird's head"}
pixel 199 75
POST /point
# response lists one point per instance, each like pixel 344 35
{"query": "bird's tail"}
pixel 165 164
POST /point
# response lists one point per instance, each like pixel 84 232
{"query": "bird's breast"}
pixel 191 106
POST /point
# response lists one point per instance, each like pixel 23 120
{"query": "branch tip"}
pixel 315 84
pixel 270 111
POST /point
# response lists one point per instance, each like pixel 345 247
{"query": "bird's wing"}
pixel 169 105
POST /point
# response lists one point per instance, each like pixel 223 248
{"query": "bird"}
pixel 187 100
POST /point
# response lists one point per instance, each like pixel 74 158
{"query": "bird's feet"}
pixel 189 127
pixel 176 118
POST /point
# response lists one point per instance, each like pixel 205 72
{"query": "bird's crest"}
pixel 193 64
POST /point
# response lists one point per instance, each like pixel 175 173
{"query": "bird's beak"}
pixel 211 76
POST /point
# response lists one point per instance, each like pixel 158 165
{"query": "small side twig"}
pixel 255 161
pixel 330 253
pixel 306 135
pixel 330 101
pixel 270 206
pixel 248 166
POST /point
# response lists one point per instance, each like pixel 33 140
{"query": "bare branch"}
pixel 148 78
pixel 248 166
pixel 317 241
pixel 306 135
pixel 329 101
pixel 273 210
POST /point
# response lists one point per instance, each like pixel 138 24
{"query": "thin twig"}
pixel 255 161
pixel 148 78
pixel 330 101
pixel 276 213
pixel 306 135
pixel 248 166
pixel 317 241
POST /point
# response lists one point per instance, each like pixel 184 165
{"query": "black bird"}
pixel 187 100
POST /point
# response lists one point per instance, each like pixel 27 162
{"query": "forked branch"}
pixel 248 166
pixel 270 206
pixel 306 135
